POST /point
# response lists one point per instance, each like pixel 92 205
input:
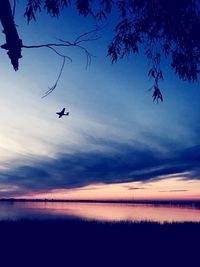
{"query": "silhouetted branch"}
pixel 63 43
pixel 77 44
pixel 154 56
pixel 169 28
pixel 50 90
pixel 59 54
pixel 14 7
pixel 13 42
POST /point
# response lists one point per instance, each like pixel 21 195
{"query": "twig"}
pixel 50 90
pixel 77 43
pixel 14 7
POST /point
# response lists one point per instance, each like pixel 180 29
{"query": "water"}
pixel 98 211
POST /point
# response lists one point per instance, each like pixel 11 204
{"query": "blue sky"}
pixel 115 134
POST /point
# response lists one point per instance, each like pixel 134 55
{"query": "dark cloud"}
pixel 126 163
pixel 173 190
pixel 135 188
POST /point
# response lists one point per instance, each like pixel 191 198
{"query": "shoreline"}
pixel 193 203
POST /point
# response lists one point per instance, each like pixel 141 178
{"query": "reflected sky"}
pixel 99 211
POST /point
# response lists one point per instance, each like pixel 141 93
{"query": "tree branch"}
pixel 13 42
pixel 63 43
pixel 50 90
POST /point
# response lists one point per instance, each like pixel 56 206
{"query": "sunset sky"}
pixel 116 144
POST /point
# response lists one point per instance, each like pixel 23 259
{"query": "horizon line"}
pixel 167 201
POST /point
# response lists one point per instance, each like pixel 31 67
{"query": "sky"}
pixel 115 144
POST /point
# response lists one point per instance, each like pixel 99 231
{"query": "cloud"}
pixel 173 190
pixel 135 188
pixel 120 163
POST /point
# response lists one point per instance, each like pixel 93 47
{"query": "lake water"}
pixel 98 211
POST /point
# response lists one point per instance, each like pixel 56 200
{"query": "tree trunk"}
pixel 13 42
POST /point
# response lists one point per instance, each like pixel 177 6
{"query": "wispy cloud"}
pixel 135 188
pixel 173 190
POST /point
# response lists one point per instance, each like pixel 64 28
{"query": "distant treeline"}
pixel 195 203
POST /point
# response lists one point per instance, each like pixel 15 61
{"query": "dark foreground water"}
pixel 98 211
pixel 75 242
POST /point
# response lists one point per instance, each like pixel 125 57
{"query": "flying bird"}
pixel 62 113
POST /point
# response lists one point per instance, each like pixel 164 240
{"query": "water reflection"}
pixel 99 211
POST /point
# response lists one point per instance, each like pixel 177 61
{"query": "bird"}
pixel 62 113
